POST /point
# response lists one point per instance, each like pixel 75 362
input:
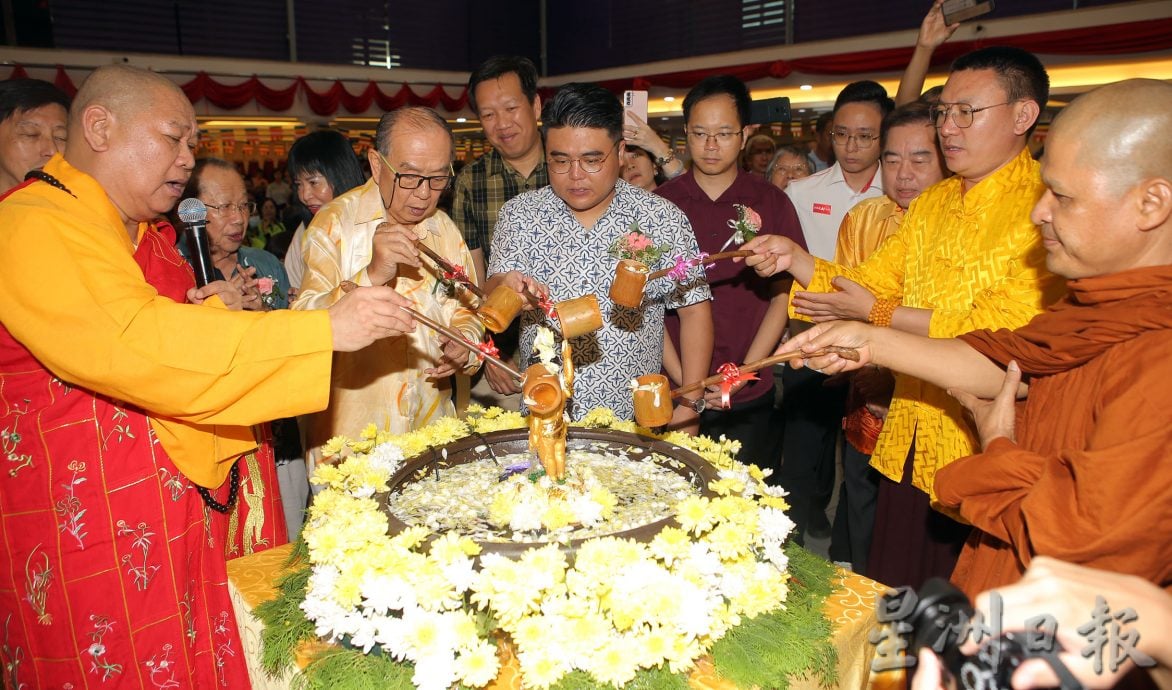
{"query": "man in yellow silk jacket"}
pixel 967 256
pixel 368 236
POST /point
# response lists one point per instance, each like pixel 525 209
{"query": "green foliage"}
pixel 350 669
pixel 769 650
pixel 285 624
pixel 659 678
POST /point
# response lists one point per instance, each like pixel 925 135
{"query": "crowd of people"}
pixel 1002 426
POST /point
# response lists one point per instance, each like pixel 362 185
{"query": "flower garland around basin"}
pixel 431 611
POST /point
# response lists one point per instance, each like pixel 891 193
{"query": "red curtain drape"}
pixel 1116 39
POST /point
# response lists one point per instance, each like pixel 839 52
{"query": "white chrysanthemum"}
pixel 392 635
pixel 387 457
pixel 381 593
pixel 459 573
pixel 774 525
pixel 435 671
pixel 586 510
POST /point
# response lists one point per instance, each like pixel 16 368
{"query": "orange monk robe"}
pixel 1087 480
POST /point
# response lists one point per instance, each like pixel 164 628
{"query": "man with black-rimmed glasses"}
pixel 555 241
pixel 368 236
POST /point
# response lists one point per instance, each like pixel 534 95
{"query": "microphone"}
pixel 195 217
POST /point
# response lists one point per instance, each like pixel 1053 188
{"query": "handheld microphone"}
pixel 195 217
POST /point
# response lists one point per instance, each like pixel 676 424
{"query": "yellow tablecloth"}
pixel 851 610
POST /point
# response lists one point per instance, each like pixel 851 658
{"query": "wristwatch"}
pixel 699 404
pixel 664 160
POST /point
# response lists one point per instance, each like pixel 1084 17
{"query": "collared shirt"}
pixel 385 382
pixel 740 297
pixel 538 235
pixel 976 260
pixel 482 188
pixel 822 200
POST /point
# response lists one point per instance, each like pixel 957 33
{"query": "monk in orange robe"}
pixel 122 409
pixel 1080 469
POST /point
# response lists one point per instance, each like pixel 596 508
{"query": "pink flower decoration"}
pixel 752 217
pixel 638 241
pixel 265 285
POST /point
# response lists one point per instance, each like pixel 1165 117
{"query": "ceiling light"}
pixel 669 99
pixel 806 87
pixel 461 119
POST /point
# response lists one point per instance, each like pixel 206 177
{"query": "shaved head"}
pixel 119 87
pixel 1122 129
pixel 1108 201
pixel 134 132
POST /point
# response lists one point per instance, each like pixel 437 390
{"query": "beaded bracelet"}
pixel 882 311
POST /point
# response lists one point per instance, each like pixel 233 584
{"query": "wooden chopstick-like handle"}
pixel 459 339
pixel 844 352
pixel 711 259
pixel 448 267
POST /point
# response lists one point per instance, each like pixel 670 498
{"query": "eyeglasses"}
pixel 561 165
pixel 246 208
pixel 798 170
pixel 863 141
pixel 962 113
pixel 436 183
pixel 722 138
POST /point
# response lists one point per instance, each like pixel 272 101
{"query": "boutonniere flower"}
pixel 745 226
pixel 265 286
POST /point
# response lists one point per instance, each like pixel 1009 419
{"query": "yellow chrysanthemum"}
pixel 694 514
pixel 478 666
pixel 450 546
pixel 541 668
pixel 614 663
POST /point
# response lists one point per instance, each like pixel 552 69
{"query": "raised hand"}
pixel 393 244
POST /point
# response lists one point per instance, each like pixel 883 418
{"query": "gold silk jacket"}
pixel 386 382
pixel 864 228
pixel 976 260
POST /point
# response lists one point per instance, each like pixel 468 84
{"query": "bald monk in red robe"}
pixel 1072 409
pixel 122 408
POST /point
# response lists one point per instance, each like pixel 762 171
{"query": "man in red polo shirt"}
pixel 748 314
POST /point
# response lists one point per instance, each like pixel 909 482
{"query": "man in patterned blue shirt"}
pixel 554 241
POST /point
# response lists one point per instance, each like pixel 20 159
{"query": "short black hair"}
pixel 915 113
pixel 329 154
pixel 716 85
pixel 865 91
pixel 19 95
pixel 824 121
pixel 584 105
pixel 498 66
pixel 1020 72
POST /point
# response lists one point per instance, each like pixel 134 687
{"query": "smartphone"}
pixel 769 110
pixel 635 102
pixel 960 10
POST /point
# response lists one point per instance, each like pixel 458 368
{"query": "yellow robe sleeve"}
pixel 71 292
pixel 1010 300
pixel 882 273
